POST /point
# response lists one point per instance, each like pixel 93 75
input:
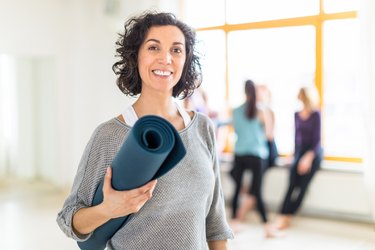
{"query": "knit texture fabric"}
pixel 187 207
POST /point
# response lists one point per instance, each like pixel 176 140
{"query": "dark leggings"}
pixel 298 184
pixel 255 165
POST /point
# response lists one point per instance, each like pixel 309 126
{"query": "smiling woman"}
pixel 183 209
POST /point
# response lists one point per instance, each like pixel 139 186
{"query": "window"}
pixel 343 119
pixel 301 43
pixel 332 6
pixel 196 12
pixel 281 58
pixel 211 45
pixel 244 11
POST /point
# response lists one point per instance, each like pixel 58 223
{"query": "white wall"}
pixel 65 50
pixel 367 76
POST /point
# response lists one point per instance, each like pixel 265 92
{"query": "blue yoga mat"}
pixel 152 148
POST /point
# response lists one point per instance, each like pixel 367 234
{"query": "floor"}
pixel 28 213
pixel 309 234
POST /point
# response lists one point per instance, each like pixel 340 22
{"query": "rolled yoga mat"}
pixel 152 148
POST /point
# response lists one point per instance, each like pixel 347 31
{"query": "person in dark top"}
pixel 308 155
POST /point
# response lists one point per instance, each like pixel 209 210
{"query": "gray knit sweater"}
pixel 187 206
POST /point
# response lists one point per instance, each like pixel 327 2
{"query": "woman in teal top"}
pixel 252 127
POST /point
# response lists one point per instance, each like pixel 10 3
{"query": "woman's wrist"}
pixel 88 219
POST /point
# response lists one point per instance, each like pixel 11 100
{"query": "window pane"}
pixel 343 119
pixel 211 45
pixel 197 14
pixel 281 58
pixel 340 5
pixel 243 11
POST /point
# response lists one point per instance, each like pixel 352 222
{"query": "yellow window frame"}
pixel 315 20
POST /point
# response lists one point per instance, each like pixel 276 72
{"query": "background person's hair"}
pixel 309 96
pixel 128 44
pixel 250 91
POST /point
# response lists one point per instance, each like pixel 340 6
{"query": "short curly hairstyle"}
pixel 129 43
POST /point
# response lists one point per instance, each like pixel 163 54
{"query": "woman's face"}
pixel 301 95
pixel 161 58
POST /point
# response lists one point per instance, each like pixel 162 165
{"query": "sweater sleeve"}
pixel 85 182
pixel 217 227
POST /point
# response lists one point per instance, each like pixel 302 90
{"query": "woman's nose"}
pixel 165 57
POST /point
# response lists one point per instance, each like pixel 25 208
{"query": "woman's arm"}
pixel 305 163
pixel 217 245
pixel 217 228
pixel 316 121
pixel 115 204
pixel 266 119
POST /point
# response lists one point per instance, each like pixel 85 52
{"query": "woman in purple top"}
pixel 307 155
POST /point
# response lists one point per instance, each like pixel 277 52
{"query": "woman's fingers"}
pixel 148 187
pixel 139 196
pixel 122 203
pixel 107 186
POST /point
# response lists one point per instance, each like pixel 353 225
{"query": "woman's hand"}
pixel 305 163
pixel 115 204
pixel 121 203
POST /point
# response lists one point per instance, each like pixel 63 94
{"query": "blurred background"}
pixel 57 86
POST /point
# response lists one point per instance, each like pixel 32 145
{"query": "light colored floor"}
pixel 28 212
pixel 309 234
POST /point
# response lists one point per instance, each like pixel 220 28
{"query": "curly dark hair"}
pixel 128 44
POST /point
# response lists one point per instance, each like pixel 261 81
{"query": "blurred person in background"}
pixel 198 101
pixel 308 154
pixel 252 126
pixel 263 94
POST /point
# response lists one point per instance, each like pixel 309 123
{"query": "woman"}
pixel 307 155
pixel 252 127
pixel 184 209
pixel 264 102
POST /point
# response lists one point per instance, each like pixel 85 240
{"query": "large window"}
pixel 334 6
pixel 302 43
pixel 282 59
pixel 343 117
pixel 244 11
pixel 196 12
pixel 212 44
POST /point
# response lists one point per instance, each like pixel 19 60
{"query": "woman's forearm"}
pixel 310 154
pixel 88 219
pixel 217 245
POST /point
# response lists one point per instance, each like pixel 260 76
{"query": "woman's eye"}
pixel 152 48
pixel 177 50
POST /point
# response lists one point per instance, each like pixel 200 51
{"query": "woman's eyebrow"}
pixel 152 40
pixel 157 41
